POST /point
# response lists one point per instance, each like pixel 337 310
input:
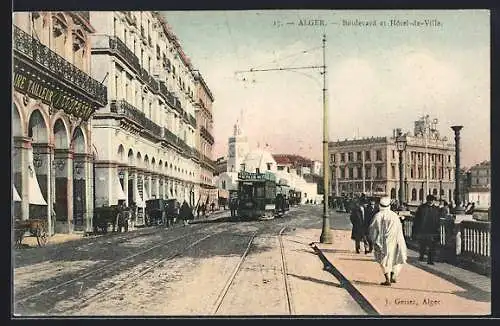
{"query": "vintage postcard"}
pixel 251 163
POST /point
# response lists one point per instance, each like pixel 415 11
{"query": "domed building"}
pixel 240 158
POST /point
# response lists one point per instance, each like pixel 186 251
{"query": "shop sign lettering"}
pixel 57 99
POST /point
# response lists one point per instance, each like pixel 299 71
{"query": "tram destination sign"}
pixel 251 176
pixel 57 98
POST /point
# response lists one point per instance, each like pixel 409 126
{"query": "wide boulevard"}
pixel 217 268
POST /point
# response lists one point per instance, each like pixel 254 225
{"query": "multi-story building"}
pixel 204 138
pixel 479 184
pixel 371 165
pixel 54 97
pixel 480 175
pixel 220 165
pixel 145 139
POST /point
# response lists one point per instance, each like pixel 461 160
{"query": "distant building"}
pixel 479 184
pixel 220 165
pixel 284 166
pixel 371 165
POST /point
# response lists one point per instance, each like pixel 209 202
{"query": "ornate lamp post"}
pixel 458 208
pixel 401 146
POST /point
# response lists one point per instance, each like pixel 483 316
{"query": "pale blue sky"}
pixel 379 78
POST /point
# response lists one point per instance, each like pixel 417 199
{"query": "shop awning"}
pixel 15 194
pixel 120 194
pixel 34 193
pixel 138 199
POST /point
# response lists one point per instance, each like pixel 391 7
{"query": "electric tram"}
pixel 256 195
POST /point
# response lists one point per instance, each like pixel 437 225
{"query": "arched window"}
pixel 414 194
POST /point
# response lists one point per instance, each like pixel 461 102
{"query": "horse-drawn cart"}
pixel 36 227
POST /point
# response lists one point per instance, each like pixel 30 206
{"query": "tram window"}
pixel 259 191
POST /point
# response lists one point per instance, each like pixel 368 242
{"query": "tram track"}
pixel 286 283
pixel 101 270
pixel 129 278
pixel 288 290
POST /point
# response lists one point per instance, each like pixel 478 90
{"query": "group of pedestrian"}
pixel 381 231
pixel 233 206
pixel 426 226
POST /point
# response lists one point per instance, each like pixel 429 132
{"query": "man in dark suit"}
pixel 426 229
pixel 370 211
pixel 357 219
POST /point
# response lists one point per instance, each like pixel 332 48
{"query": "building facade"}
pixel 479 185
pixel 371 165
pixel 205 139
pixel 53 100
pixel 146 137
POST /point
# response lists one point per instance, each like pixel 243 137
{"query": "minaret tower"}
pixel 237 149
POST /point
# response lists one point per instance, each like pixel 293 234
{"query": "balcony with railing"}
pixel 29 47
pixel 205 134
pixel 192 121
pixel 124 108
pixel 125 53
pixel 177 105
pixel 166 94
pixel 149 80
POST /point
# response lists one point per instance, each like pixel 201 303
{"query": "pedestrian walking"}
pixel 204 210
pixel 358 231
pixel 426 229
pixel 185 213
pixel 386 232
pixel 370 211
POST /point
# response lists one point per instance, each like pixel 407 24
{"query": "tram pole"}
pixel 326 234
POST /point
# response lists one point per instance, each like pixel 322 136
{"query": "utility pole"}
pixel 326 234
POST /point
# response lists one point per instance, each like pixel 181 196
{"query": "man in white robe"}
pixel 386 232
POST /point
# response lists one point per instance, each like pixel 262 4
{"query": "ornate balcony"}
pixel 177 105
pixel 131 19
pixel 192 121
pixel 205 134
pixel 149 80
pixel 124 108
pixel 63 70
pixel 125 53
pixel 166 94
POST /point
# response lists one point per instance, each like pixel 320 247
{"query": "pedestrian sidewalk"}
pixel 421 289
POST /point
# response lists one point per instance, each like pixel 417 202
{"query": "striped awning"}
pixel 34 193
pixel 15 194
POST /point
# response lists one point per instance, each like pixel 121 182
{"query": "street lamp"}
pixel 401 146
pixel 459 209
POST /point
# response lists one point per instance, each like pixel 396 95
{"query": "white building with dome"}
pixel 240 157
